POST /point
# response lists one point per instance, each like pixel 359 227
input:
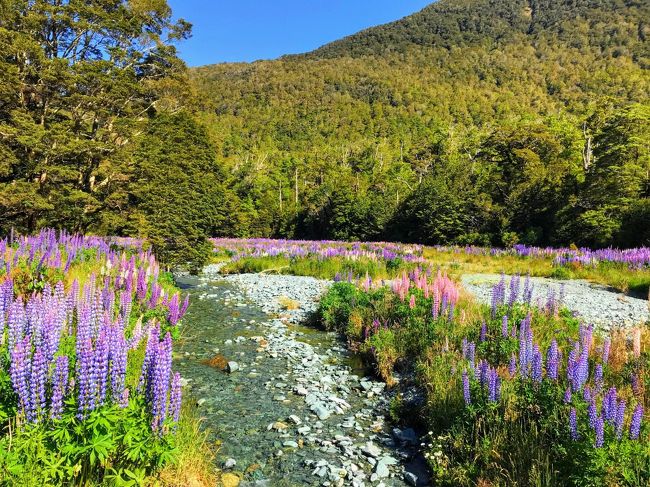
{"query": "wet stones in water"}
pixel 218 362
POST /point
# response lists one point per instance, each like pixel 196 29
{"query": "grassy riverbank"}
pixel 514 394
pixel 331 268
pixel 617 275
pixel 88 396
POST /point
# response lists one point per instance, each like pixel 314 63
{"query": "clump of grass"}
pixel 288 303
pixel 338 268
pixel 195 461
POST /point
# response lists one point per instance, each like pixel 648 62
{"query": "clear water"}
pixel 237 407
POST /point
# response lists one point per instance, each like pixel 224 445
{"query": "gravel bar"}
pixel 596 304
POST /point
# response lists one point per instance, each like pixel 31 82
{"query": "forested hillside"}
pixel 471 121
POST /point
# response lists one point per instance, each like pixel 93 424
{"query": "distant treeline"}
pixel 461 124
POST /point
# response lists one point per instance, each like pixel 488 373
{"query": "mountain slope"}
pixel 357 125
pixel 454 23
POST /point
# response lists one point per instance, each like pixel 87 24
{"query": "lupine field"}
pixel 87 390
pixel 519 392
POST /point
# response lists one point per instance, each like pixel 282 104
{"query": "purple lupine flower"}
pixel 86 383
pixel 450 315
pixel 593 413
pixel 598 377
pixel 551 303
pixel 162 371
pixel 17 322
pixel 494 383
pixel 59 382
pixel 528 290
pixel 581 371
pixel 141 285
pixel 514 289
pixel 504 326
pixel 175 398
pixel 619 419
pixel 483 369
pixel 586 336
pixel 573 424
pixel 186 304
pixel 635 423
pixel 174 310
pixel 599 429
pixel 606 346
pixel 37 382
pixel 471 353
pixel 609 405
pixel 572 360
pixel 155 295
pixel 586 394
pixel 512 367
pixel 19 371
pixel 466 392
pixel 529 341
pixel 100 366
pixel 536 369
pixel 435 307
pixel 552 360
pixel 523 364
pixel 118 362
pixel 498 295
pixel 483 334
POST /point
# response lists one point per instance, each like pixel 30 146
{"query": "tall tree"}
pixel 77 79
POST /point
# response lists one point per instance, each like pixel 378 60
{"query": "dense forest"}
pixel 470 122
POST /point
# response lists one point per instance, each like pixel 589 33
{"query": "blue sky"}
pixel 247 30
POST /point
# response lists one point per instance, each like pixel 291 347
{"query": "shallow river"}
pixel 295 410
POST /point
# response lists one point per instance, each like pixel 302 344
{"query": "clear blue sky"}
pixel 247 30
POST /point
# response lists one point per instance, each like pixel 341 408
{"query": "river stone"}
pixel 233 366
pixel 371 450
pixel 388 460
pixel 382 470
pixel 279 426
pixel 321 411
pixel 411 478
pixel 230 463
pixel 230 480
pixel 407 435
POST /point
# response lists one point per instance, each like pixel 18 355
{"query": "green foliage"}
pixel 523 439
pixel 76 79
pixel 366 138
pixel 452 125
pixel 176 198
pixel 112 442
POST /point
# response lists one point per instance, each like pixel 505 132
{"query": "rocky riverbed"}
pixel 289 407
pixel 598 305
